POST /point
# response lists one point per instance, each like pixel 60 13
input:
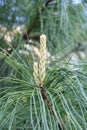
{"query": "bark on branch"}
pixel 26 35
pixel 46 99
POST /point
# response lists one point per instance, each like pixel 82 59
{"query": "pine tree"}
pixel 43 66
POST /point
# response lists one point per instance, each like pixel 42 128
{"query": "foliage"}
pixel 22 106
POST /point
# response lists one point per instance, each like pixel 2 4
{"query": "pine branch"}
pixel 26 35
pixel 46 99
pixel 47 2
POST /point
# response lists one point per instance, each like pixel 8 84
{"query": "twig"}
pixel 26 35
pixel 45 98
pixel 47 2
